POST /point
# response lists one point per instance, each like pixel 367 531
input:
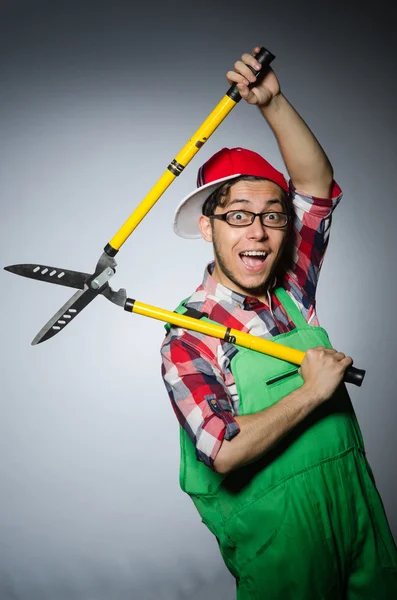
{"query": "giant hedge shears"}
pixel 92 285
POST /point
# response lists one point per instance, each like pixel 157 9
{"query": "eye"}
pixel 273 217
pixel 238 217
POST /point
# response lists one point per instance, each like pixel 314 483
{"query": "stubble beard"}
pixel 250 291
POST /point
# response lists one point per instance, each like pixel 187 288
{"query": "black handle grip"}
pixel 265 58
pixel 353 375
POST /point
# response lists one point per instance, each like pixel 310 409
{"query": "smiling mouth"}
pixel 253 260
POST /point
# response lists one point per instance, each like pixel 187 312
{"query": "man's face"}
pixel 248 275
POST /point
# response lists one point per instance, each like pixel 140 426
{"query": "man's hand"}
pixel 307 164
pixel 322 370
pixel 261 94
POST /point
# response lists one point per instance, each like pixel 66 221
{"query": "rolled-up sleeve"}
pixel 198 396
pixel 312 222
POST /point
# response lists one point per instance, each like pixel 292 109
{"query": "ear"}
pixel 205 228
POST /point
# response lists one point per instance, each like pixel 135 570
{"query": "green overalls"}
pixel 304 522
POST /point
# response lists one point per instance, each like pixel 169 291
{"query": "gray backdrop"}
pixel 96 99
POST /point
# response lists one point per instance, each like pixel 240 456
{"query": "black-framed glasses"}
pixel 243 218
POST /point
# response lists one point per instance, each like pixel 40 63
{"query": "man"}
pixel 271 455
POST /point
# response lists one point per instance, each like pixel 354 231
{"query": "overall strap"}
pixel 290 307
pixel 188 312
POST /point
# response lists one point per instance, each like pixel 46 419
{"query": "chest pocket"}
pixel 262 380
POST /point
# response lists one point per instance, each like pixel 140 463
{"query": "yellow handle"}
pixel 240 338
pixel 175 168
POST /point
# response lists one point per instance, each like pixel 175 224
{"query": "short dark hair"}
pixel 219 197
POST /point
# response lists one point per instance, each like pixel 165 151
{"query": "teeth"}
pixel 254 253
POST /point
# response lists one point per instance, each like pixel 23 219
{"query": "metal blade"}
pixel 66 314
pixel 65 277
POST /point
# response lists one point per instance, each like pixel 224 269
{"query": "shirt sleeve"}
pixel 311 228
pixel 198 395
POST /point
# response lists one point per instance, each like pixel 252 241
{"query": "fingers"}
pixel 242 73
pixel 249 59
pixel 322 351
pixel 234 77
pixel 347 362
pixel 242 86
pixel 254 91
pixel 323 369
pixel 319 351
pixel 340 356
pixel 330 351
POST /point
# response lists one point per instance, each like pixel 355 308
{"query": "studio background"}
pixel 96 98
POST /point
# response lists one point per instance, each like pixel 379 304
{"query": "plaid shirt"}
pixel 196 368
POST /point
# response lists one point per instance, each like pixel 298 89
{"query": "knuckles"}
pixel 313 352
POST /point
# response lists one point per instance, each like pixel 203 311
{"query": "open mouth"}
pixel 253 259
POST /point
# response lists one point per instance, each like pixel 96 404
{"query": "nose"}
pixel 256 230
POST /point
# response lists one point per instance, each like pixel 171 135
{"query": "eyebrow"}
pixel 244 201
